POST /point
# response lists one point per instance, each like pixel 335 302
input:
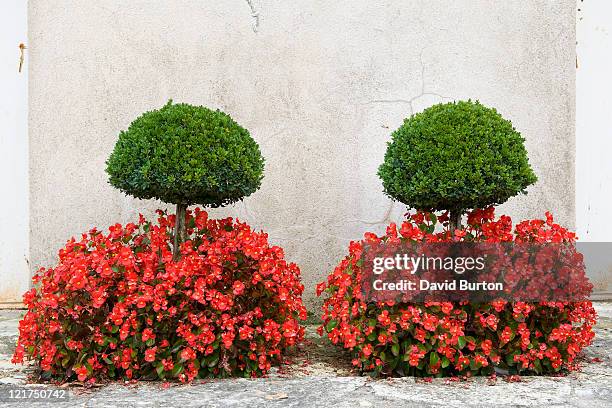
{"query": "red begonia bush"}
pixel 455 338
pixel 118 307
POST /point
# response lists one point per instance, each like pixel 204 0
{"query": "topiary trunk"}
pixel 180 232
pixel 455 220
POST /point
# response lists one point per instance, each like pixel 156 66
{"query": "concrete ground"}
pixel 320 377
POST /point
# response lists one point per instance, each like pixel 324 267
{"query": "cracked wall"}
pixel 320 86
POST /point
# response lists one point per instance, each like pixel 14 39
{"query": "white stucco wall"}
pixel 319 84
pixel 14 217
pixel 594 137
pixel 593 125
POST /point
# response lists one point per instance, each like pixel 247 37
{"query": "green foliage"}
pixel 186 154
pixel 455 156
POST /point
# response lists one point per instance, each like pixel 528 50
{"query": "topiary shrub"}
pixel 185 155
pixel 117 306
pixel 455 156
pixel 454 338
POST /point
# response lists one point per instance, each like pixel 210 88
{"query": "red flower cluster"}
pixel 454 338
pixel 118 306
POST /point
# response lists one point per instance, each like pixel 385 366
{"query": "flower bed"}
pixel 118 307
pixel 455 338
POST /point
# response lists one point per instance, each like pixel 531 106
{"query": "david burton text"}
pixel 423 284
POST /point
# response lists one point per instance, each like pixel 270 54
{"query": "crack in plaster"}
pixel 254 15
pixel 422 93
pixel 247 214
pixel 386 219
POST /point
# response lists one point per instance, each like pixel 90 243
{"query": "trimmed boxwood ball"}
pixel 455 156
pixel 186 154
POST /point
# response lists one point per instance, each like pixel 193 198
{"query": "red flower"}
pixel 506 335
pixel 167 364
pixel 188 354
pixel 384 319
pixel 238 288
pixel 81 373
pixel 148 334
pixel 150 354
pixel 78 280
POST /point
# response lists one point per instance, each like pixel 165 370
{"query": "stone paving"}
pixel 320 377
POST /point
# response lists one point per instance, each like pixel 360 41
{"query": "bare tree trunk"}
pixel 455 220
pixel 180 232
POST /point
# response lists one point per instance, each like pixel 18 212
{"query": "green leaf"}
pixel 461 342
pixel 537 366
pixel 433 358
pixel 213 360
pixel 178 368
pixel 331 325
pixel 433 218
pixel 445 362
pixel 510 358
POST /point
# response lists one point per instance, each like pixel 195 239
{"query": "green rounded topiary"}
pixel 185 155
pixel 455 156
